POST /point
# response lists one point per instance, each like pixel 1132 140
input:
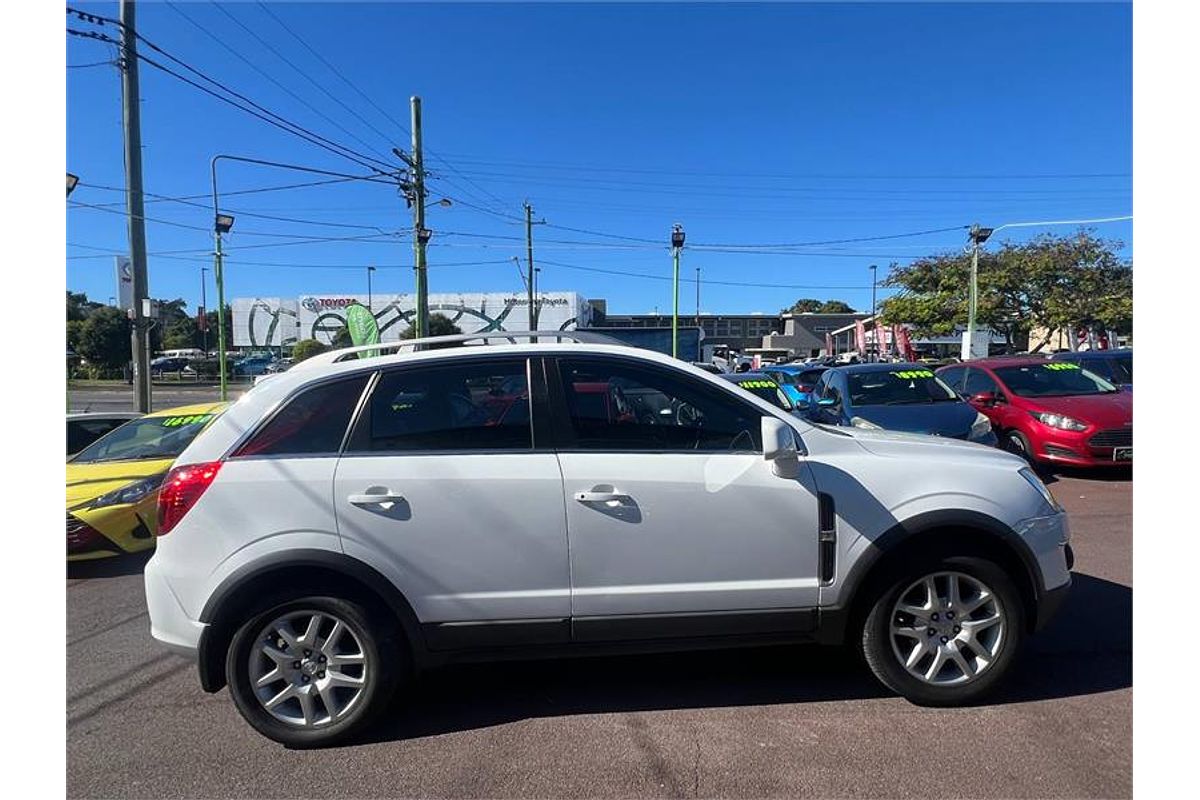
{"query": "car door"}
pixel 444 488
pixel 979 381
pixel 676 523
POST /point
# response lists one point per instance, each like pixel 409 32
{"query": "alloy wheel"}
pixel 947 628
pixel 308 668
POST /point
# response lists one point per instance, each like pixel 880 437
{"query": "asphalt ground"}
pixel 119 396
pixel 789 721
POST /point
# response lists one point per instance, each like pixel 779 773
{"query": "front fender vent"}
pixel 827 538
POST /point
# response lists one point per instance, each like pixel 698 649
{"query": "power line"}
pixel 282 123
pixel 705 281
pixel 269 77
pixel 93 64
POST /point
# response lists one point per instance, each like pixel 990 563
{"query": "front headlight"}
pixel 130 492
pixel 859 422
pixel 1060 421
pixel 1037 484
pixel 980 428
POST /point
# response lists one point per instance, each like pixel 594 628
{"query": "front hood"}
pixel 897 444
pixel 937 419
pixel 1102 410
pixel 86 482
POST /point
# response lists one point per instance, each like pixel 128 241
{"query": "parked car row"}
pixel 1047 410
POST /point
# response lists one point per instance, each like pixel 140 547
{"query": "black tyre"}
pixel 945 632
pixel 314 671
pixel 1016 443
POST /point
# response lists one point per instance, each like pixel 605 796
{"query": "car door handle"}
pixel 375 498
pixel 602 497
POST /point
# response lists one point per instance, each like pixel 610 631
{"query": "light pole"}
pixel 874 318
pixel 370 304
pixel 677 237
pixel 978 236
pixel 222 224
pixel 697 297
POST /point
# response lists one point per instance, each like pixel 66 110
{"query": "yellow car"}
pixel 112 484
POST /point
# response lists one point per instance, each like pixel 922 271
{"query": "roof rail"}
pixel 341 354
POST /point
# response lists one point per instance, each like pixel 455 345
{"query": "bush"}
pixel 307 348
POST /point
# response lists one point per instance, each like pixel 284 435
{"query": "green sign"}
pixel 190 419
pixel 759 385
pixel 1061 365
pixel 363 328
pixel 913 373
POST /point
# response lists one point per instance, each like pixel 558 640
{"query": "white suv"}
pixel 355 520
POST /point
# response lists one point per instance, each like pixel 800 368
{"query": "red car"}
pixel 1050 412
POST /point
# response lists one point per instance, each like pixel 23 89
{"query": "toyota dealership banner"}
pixel 275 322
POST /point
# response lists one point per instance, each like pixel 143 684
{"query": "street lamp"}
pixel 72 180
pixel 370 306
pixel 677 237
pixel 874 316
pixel 204 308
pixel 977 236
pixel 222 224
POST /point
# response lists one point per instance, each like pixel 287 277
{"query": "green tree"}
pixel 439 325
pixel 809 305
pixel 180 333
pixel 307 348
pixel 1049 282
pixel 103 339
pixel 342 338
pixel 79 307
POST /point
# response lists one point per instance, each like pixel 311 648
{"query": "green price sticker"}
pixel 1058 366
pixel 760 385
pixel 189 419
pixel 913 373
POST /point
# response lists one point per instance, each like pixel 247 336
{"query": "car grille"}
pixel 81 537
pixel 1113 437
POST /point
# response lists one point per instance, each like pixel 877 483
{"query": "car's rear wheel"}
pixel 313 671
pixel 946 633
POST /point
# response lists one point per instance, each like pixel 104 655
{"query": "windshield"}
pixel 898 387
pixel 1052 379
pixel 1122 369
pixel 148 437
pixel 768 390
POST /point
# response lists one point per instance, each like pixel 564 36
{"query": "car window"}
pixel 810 376
pixel 768 390
pixel 901 386
pixel 82 432
pixel 314 421
pixel 615 405
pixel 831 390
pixel 1053 379
pixel 953 378
pixel 1122 369
pixel 473 406
pixel 148 437
pixel 979 381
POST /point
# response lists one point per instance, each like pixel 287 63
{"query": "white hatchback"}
pixel 356 519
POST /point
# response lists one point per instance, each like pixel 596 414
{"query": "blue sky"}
pixel 749 124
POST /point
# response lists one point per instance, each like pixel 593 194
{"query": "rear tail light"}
pixel 180 491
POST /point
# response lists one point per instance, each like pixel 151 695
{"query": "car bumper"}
pixel 1050 604
pixel 169 623
pixel 1073 449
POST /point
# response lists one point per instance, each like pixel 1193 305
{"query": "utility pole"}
pixel 676 246
pixel 131 119
pixel 874 317
pixel 529 262
pixel 370 304
pixel 697 297
pixel 420 233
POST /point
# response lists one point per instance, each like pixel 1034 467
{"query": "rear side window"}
pixel 979 381
pixel 313 422
pixel 953 377
pixel 472 406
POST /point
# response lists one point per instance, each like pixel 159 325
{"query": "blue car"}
pixel 1115 366
pixel 897 397
pixel 254 365
pixel 796 380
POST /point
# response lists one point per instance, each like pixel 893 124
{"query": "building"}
pixel 269 322
pixel 804 335
pixel 736 331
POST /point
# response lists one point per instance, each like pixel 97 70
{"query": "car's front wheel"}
pixel 944 634
pixel 312 671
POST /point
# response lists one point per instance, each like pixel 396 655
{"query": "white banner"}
pixel 124 271
pixel 271 321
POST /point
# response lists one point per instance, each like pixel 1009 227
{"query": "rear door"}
pixel 445 488
pixel 677 525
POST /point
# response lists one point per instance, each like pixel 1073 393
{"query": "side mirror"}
pixel 779 447
pixel 985 399
pixel 826 402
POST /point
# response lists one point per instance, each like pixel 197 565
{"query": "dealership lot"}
pixel 779 722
